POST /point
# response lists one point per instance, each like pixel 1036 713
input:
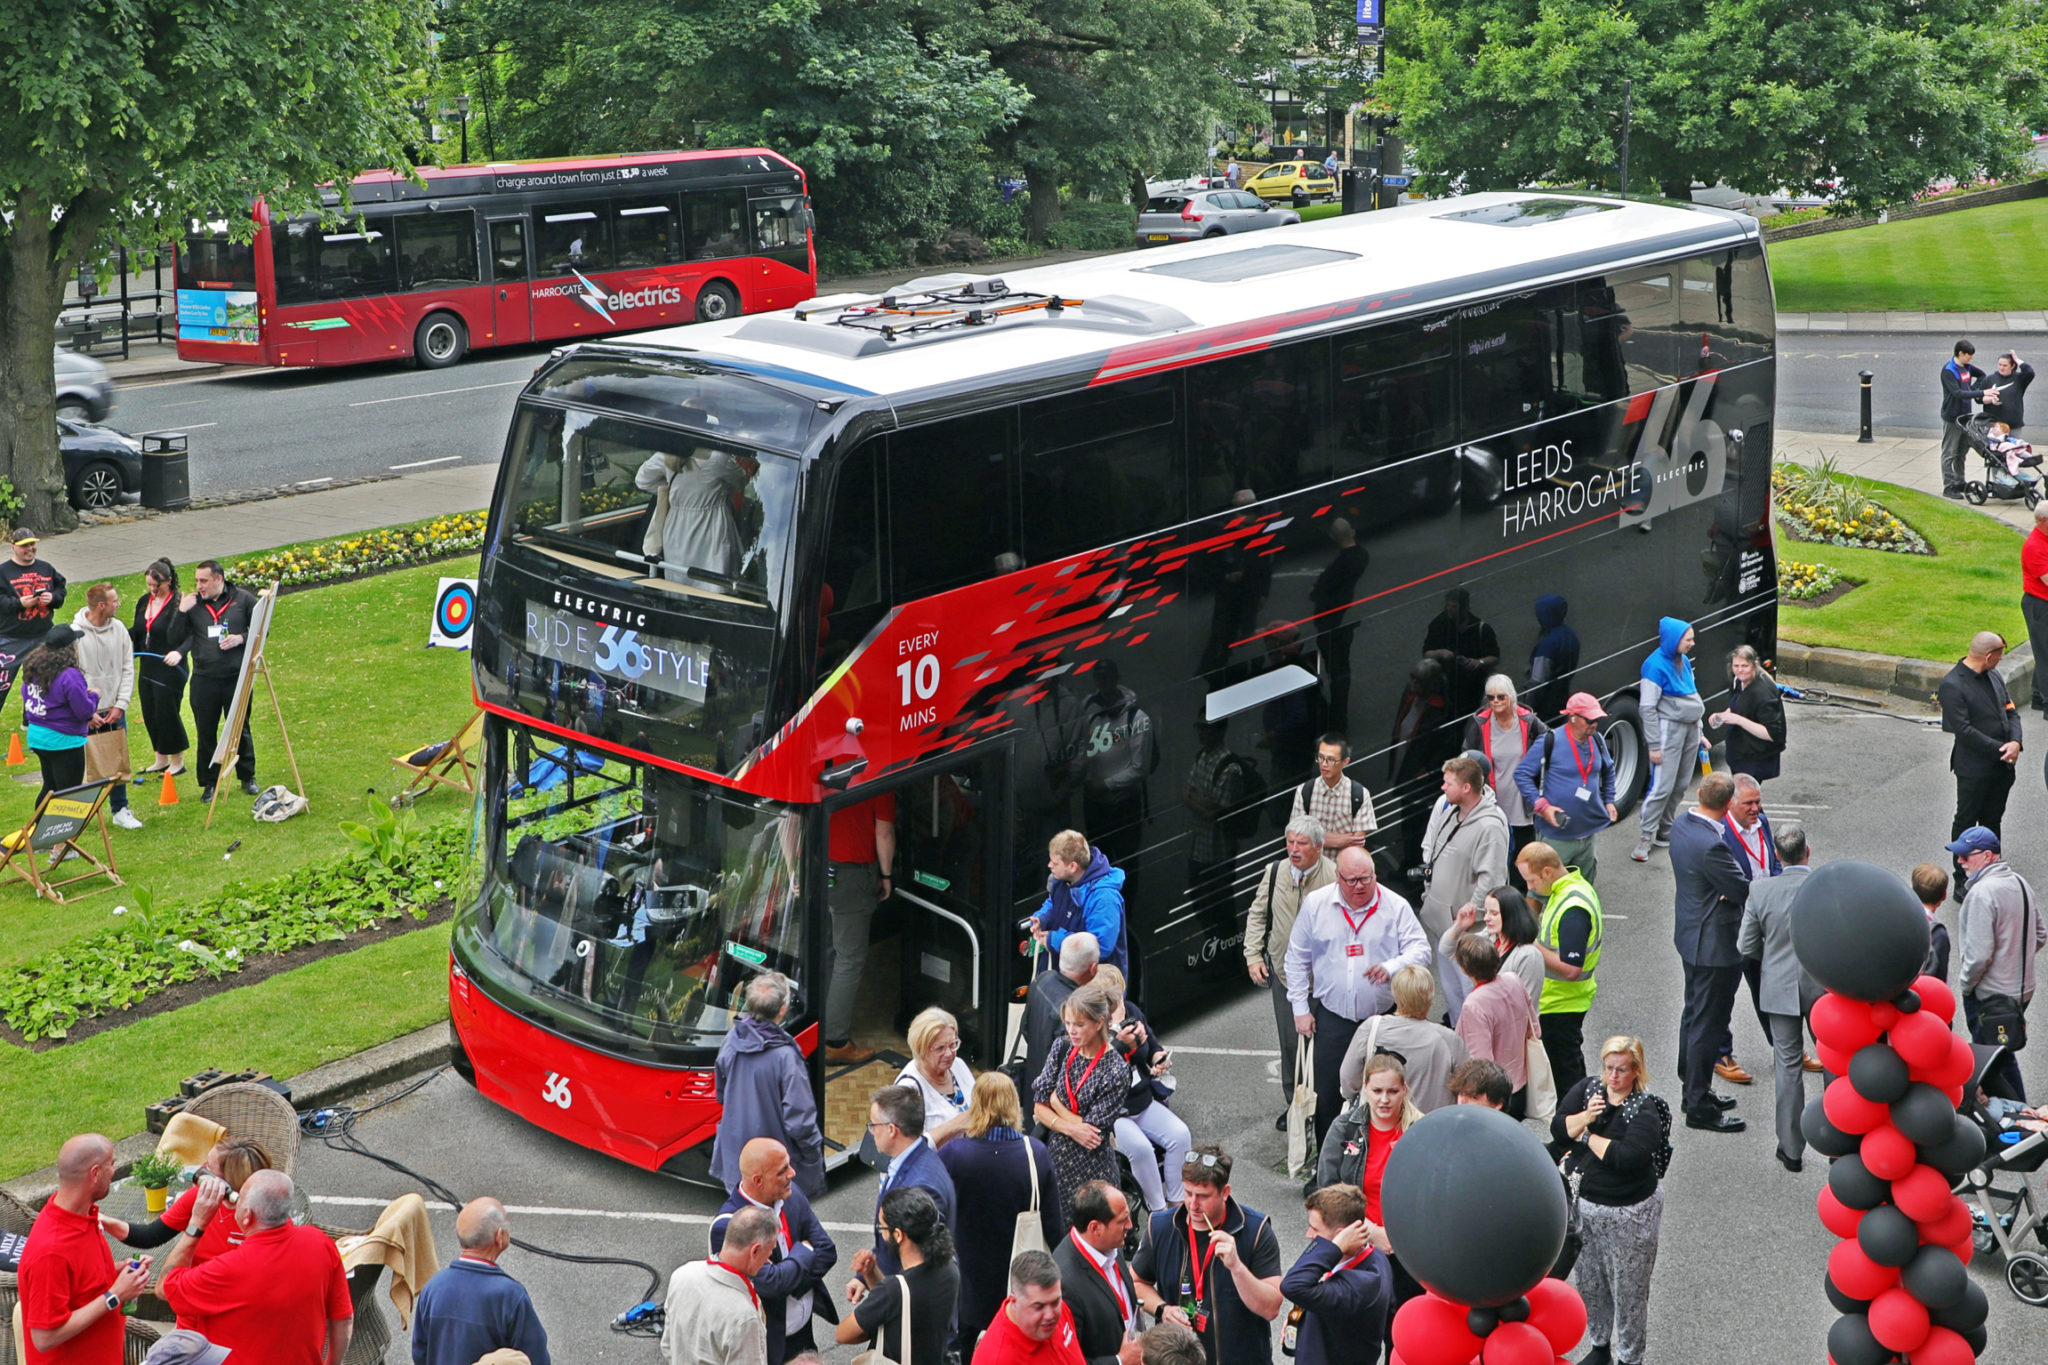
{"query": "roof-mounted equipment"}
pixel 972 303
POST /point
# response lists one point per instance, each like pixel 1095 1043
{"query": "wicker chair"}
pixel 141 1336
pixel 254 1111
pixel 18 1217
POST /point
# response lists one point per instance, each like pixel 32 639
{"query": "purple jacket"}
pixel 67 709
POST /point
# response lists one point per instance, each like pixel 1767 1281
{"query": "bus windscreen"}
pixel 216 285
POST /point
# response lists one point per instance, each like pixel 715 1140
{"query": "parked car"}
pixel 85 392
pixel 100 464
pixel 1185 185
pixel 1207 213
pixel 1295 181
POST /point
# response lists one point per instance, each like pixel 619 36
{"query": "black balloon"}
pixel 1475 1205
pixel 1925 1116
pixel 1907 1001
pixel 1482 1321
pixel 1961 1150
pixel 1824 1137
pixel 1979 1337
pixel 1849 1178
pixel 1935 1277
pixel 1844 1303
pixel 1878 1074
pixel 1966 1314
pixel 1850 1342
pixel 1887 1236
pixel 1515 1311
pixel 1858 929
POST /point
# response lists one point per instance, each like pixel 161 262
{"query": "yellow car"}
pixel 1299 181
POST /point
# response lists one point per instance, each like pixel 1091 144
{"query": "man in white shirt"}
pixel 713 1314
pixel 1347 943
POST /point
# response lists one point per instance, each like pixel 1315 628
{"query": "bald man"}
pixel 1976 710
pixel 472 1307
pixel 71 1296
pixel 790 1282
pixel 281 1297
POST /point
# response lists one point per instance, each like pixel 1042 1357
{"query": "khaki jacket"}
pixel 1274 906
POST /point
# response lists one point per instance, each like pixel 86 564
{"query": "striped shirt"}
pixel 1331 807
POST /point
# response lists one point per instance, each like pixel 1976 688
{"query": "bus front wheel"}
pixel 440 342
pixel 716 302
pixel 1623 732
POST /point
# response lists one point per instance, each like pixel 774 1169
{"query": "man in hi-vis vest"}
pixel 1568 935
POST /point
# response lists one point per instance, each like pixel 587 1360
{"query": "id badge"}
pixel 216 631
pixel 1354 950
pixel 1201 1321
pixel 1584 794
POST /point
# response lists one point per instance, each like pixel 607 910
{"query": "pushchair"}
pixel 2009 464
pixel 2006 1219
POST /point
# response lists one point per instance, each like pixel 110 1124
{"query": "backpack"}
pixel 1243 822
pixel 1601 759
pixel 1357 795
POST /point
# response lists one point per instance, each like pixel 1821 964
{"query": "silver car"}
pixel 1187 217
pixel 85 392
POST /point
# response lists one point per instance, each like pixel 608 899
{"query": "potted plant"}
pixel 154 1173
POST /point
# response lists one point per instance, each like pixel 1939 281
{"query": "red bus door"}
pixel 513 321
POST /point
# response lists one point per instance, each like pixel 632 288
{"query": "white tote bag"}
pixel 1301 1114
pixel 873 1355
pixel 1030 1233
pixel 1540 1099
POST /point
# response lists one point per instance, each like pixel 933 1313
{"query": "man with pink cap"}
pixel 1567 781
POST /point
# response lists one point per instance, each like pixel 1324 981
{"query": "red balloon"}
pixel 1922 1039
pixel 1962 1061
pixel 1517 1343
pixel 1950 1226
pixel 1848 1110
pixel 1883 1014
pixel 1853 1273
pixel 1943 1347
pixel 1921 1194
pixel 1838 1217
pixel 1888 1152
pixel 1964 1248
pixel 1955 1095
pixel 1935 996
pixel 1431 1330
pixel 1898 1320
pixel 1841 1023
pixel 1836 1061
pixel 1557 1311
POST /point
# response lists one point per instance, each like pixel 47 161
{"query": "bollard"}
pixel 1864 437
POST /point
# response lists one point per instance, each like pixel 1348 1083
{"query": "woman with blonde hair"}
pixel 938 1074
pixel 232 1161
pixel 1387 1114
pixel 1754 717
pixel 992 1164
pixel 1620 1140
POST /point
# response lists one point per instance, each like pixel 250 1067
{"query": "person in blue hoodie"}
pixel 1672 711
pixel 1554 660
pixel 765 1090
pixel 1082 892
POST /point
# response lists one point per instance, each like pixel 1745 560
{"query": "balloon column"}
pixel 1888 1118
pixel 1476 1213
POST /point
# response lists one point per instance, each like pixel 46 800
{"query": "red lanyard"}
pixel 225 603
pixel 1198 1264
pixel 742 1279
pixel 1067 1074
pixel 1586 768
pixel 1359 924
pixel 1351 1264
pixel 1116 1283
pixel 154 610
pixel 1756 855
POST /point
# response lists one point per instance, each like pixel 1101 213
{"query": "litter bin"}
pixel 1358 188
pixel 166 475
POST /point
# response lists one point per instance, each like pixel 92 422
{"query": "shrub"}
pixel 395 547
pixel 1085 225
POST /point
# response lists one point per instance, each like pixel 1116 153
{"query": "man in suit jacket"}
pixel 1270 920
pixel 1342 1285
pixel 1976 710
pixel 792 1283
pixel 1706 914
pixel 1784 992
pixel 1096 1281
pixel 896 1120
pixel 1747 831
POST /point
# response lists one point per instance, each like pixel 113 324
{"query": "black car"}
pixel 100 464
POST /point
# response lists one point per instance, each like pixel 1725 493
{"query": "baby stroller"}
pixel 2009 463
pixel 2006 1219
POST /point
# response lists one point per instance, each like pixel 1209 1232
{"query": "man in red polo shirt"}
pixel 2034 598
pixel 1034 1326
pixel 71 1297
pixel 280 1298
pixel 861 857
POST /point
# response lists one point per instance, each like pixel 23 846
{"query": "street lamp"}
pixel 462 112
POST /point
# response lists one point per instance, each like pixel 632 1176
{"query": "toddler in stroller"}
pixel 2016 1144
pixel 2009 462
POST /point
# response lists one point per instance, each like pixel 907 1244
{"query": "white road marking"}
pixel 631 1215
pixel 195 426
pixel 437 393
pixel 1231 1051
pixel 422 464
pixel 190 402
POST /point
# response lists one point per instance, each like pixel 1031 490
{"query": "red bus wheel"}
pixel 440 341
pixel 716 302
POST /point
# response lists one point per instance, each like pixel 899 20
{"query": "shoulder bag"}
pixel 1301 1113
pixel 873 1355
pixel 2002 1019
pixel 1030 1233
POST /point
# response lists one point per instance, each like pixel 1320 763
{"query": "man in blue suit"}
pixel 1706 915
pixel 1747 832
pixel 896 1121
pixel 792 1284
pixel 1342 1286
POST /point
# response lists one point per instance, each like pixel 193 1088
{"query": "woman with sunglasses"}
pixel 1080 1094
pixel 909 1221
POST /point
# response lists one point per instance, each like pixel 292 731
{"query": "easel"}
pixel 254 662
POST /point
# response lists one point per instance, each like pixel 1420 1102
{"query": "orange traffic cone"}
pixel 169 795
pixel 15 756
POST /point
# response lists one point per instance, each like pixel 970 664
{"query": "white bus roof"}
pixel 1165 306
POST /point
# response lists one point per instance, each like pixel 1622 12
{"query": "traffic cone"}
pixel 15 756
pixel 169 795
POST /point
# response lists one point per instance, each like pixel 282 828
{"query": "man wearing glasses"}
pixel 1212 1265
pixel 1341 806
pixel 896 1123
pixel 1346 945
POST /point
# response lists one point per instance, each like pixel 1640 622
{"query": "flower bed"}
pixel 147 949
pixel 1818 505
pixel 1799 581
pixel 395 547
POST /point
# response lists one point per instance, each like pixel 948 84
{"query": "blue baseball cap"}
pixel 1975 839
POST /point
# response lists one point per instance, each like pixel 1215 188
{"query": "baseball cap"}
pixel 185 1347
pixel 21 535
pixel 59 636
pixel 1975 839
pixel 1583 704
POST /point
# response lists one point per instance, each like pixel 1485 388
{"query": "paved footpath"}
pixel 2026 320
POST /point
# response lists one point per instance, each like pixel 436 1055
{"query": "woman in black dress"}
pixel 1080 1094
pixel 992 1164
pixel 909 1219
pixel 1754 718
pixel 160 629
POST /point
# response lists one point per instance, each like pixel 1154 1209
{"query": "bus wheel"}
pixel 440 342
pixel 1623 731
pixel 716 302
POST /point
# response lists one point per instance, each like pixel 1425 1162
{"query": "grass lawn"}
pixel 1987 260
pixel 286 1025
pixel 357 685
pixel 1918 606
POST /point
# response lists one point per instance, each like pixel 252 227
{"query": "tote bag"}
pixel 1030 1233
pixel 1540 1099
pixel 1301 1114
pixel 106 755
pixel 873 1355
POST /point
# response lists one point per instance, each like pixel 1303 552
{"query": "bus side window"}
pixel 714 224
pixel 1727 302
pixel 1101 466
pixel 1628 334
pixel 508 251
pixel 649 232
pixel 295 260
pixel 949 504
pixel 574 236
pixel 1260 423
pixel 851 600
pixel 1394 392
pixel 356 260
pixel 435 249
pixel 1506 358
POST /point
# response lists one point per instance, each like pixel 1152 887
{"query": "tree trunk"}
pixel 1041 205
pixel 32 297
pixel 1140 195
pixel 1681 190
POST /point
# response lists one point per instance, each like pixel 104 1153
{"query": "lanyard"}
pixel 1067 1074
pixel 155 609
pixel 1359 924
pixel 1585 768
pixel 780 1217
pixel 1351 1264
pixel 1116 1283
pixel 742 1279
pixel 1756 855
pixel 1198 1264
pixel 225 603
